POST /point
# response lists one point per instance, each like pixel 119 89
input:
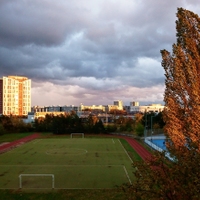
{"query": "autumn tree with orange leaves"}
pixel 179 178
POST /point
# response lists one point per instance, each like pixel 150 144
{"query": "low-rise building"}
pixel 57 108
pixel 147 108
pixel 43 114
pixel 92 107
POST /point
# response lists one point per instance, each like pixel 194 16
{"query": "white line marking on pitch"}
pixel 125 151
pixel 113 141
pixel 127 175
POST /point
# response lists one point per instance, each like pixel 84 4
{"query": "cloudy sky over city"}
pixel 89 51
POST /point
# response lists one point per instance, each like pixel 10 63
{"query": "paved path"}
pixel 10 145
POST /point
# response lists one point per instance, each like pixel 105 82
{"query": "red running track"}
pixel 144 154
pixel 11 145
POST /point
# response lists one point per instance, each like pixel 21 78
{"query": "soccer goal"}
pixel 77 135
pixel 33 178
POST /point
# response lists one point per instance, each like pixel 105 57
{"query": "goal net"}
pixel 36 181
pixel 77 135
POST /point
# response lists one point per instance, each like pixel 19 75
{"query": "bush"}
pixel 139 129
pixel 2 130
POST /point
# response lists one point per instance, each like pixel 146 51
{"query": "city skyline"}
pixel 90 52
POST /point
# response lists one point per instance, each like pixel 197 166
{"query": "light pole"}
pixel 151 125
pixel 145 128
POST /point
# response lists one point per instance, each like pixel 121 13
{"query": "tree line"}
pixel 14 124
pixel 71 122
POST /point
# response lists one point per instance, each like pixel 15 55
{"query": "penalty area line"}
pixel 127 175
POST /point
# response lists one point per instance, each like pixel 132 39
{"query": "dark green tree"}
pixel 7 123
pixel 98 127
pixel 2 130
pixel 139 129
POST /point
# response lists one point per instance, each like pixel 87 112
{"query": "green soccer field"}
pixel 78 163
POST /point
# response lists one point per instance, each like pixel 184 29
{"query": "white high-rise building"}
pixel 15 95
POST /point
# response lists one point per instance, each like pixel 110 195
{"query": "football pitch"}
pixel 63 163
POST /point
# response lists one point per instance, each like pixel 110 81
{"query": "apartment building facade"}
pixel 1 96
pixel 15 95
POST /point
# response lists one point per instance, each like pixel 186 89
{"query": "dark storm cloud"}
pixel 39 22
pixel 82 49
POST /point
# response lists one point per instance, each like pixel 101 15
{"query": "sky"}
pixel 89 51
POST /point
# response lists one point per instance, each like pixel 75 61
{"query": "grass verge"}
pixel 132 153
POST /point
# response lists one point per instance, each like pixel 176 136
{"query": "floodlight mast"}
pixel 152 124
pixel 145 130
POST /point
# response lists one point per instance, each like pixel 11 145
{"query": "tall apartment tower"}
pixel 1 96
pixel 15 95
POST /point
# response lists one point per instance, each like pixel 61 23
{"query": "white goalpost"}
pixel 36 175
pixel 74 135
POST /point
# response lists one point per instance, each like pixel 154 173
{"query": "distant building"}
pixel 126 108
pixel 92 107
pixel 43 114
pixel 30 118
pixel 134 103
pixel 54 108
pixel 119 103
pixel 1 96
pixel 147 108
pixel 15 95
pixel 108 108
